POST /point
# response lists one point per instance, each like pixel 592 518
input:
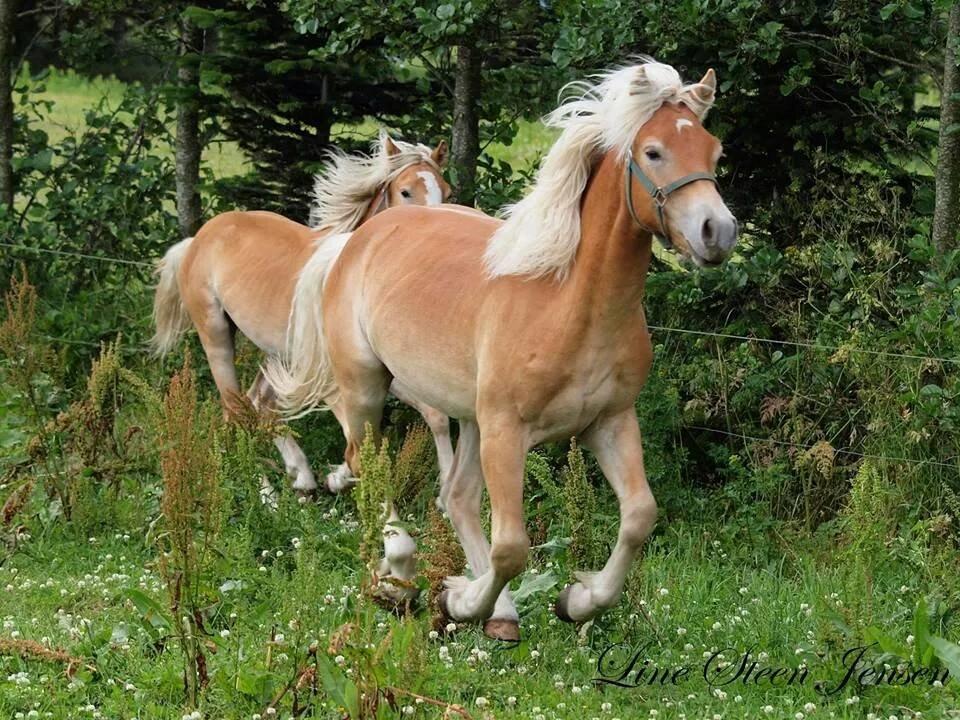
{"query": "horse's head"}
pixel 419 183
pixel 670 183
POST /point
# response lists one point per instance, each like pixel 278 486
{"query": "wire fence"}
pixel 821 347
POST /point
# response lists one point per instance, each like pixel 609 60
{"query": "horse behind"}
pixel 240 270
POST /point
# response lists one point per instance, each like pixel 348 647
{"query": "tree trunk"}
pixel 465 145
pixel 188 128
pixel 8 9
pixel 946 214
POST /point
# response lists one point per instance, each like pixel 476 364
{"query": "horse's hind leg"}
pixel 439 425
pixel 262 397
pixel 216 335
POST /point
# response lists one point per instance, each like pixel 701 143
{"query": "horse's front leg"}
pixel 615 441
pixel 503 449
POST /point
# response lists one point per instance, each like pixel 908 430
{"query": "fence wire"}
pixel 656 328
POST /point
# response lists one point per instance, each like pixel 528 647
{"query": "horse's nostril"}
pixel 707 230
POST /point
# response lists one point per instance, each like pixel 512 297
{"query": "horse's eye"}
pixel 653 154
pixel 406 193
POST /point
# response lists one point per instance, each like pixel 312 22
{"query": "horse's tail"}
pixel 302 377
pixel 169 316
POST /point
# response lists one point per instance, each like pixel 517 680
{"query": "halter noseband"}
pixel 660 194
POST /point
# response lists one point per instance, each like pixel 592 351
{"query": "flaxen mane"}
pixel 542 231
pixel 343 191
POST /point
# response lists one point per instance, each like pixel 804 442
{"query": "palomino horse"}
pixel 530 329
pixel 240 270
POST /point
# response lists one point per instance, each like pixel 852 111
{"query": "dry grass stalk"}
pixel 190 506
pixel 31 650
pixel 15 503
pixel 442 557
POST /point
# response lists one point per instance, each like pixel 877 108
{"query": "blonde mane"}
pixel 542 231
pixel 342 193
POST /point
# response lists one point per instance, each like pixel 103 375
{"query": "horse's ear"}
pixel 389 146
pixel 439 153
pixel 706 89
pixel 641 83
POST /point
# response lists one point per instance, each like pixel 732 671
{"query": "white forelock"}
pixel 343 191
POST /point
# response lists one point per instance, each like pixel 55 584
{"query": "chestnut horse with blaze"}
pixel 240 270
pixel 529 329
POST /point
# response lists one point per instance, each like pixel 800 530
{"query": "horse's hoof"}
pixel 560 607
pixel 442 599
pixel 503 630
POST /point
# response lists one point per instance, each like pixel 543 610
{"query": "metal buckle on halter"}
pixel 659 197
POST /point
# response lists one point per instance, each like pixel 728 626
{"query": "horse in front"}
pixel 529 329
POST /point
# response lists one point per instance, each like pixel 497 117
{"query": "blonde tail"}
pixel 302 377
pixel 169 316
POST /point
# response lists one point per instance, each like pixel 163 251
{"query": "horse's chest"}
pixel 601 379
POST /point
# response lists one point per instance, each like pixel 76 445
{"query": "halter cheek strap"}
pixel 660 194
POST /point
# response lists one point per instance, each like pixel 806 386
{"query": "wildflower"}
pixel 451 627
pixel 768 709
pixel 433 635
pixel 511 701
pixel 224 633
pixel 481 701
pixel 339 659
pixel 664 592
pixel 681 631
pixel 717 626
pixel 606 707
pixel 809 707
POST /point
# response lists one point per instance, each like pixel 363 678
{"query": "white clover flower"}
pixel 408 710
pixel 534 654
pixel 681 631
pixel 433 635
pixel 717 626
pixel 339 659
pixel 606 707
pixel 910 639
pixel 224 633
pixel 663 592
pixel 511 701
pixel 451 627
pixel 809 707
pixel 768 709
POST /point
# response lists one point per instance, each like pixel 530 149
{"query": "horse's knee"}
pixel 638 516
pixel 437 421
pixel 509 558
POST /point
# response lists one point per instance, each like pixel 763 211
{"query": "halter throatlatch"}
pixel 659 194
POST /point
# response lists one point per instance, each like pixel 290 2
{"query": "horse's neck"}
pixel 610 270
pixel 376 205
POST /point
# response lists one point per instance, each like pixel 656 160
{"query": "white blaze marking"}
pixel 682 123
pixel 434 196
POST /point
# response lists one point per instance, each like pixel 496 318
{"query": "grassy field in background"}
pixel 73 95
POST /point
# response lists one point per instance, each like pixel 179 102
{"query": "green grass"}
pixel 73 95
pixel 700 591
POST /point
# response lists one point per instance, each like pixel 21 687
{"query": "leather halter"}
pixel 660 194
